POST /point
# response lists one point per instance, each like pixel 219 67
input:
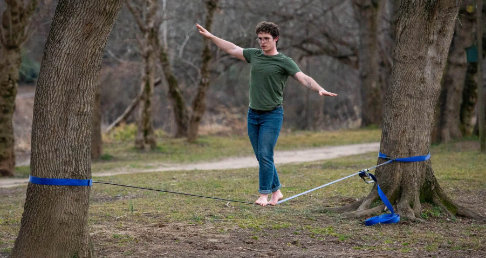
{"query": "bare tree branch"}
pixel 126 113
pixel 137 15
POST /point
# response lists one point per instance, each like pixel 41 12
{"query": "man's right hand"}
pixel 203 31
pixel 226 46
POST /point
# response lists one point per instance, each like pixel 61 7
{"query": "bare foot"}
pixel 263 200
pixel 276 196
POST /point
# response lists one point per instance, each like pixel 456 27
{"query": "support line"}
pixel 172 192
pixel 335 181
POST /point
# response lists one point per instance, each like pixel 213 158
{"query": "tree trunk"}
pixel 13 33
pixel 199 103
pixel 371 104
pixel 450 100
pixel 96 139
pixel 54 222
pixel 145 138
pixel 469 100
pixel 423 34
pixel 181 115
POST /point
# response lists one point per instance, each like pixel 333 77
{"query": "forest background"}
pixel 334 64
pixel 323 37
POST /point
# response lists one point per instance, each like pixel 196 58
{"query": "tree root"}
pixel 407 193
pixel 452 208
pixel 364 213
pixel 347 208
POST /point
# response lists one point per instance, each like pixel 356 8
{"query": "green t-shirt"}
pixel 268 77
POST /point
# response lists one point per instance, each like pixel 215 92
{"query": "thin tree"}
pixel 181 115
pixel 157 48
pixel 54 222
pixel 423 34
pixel 148 25
pixel 13 33
pixel 199 102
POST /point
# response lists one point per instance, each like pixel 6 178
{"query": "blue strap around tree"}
pixel 60 181
pixel 409 159
pixel 390 217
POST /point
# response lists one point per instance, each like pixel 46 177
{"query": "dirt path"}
pixel 281 157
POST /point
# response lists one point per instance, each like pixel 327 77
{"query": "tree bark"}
pixel 367 13
pixel 13 33
pixel 96 137
pixel 54 222
pixel 451 96
pixel 423 34
pixel 199 103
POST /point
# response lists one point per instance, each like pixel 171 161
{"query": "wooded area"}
pixel 325 38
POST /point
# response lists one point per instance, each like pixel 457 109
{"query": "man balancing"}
pixel 269 72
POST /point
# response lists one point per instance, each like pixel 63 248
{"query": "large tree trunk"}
pixel 423 35
pixel 54 222
pixel 449 121
pixel 199 103
pixel 13 32
pixel 367 13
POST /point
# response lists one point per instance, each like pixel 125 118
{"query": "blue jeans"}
pixel 263 130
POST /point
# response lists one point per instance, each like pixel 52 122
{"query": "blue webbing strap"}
pixel 389 217
pixel 59 181
pixel 409 159
pixel 384 218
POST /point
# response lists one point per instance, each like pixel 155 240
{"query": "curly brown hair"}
pixel 268 27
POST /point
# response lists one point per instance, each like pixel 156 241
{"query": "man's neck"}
pixel 271 52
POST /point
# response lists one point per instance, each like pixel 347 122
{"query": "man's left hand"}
pixel 323 92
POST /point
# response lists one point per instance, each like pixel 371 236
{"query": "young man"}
pixel 269 72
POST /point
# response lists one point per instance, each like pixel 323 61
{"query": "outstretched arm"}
pixel 310 83
pixel 226 46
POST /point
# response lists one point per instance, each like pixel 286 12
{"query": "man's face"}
pixel 266 41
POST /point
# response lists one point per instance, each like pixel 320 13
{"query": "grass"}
pixel 119 149
pixel 123 219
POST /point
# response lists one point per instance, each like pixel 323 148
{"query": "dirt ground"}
pixel 169 240
pixel 438 237
pixel 434 238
